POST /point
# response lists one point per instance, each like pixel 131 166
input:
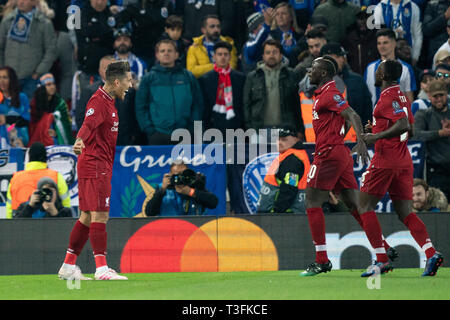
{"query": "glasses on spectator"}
pixel 442 75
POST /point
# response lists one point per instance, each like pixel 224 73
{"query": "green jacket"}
pixel 168 99
pixel 255 98
pixel 339 18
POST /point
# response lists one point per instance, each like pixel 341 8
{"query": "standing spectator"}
pixel 270 92
pixel 436 28
pixel 258 31
pixel 403 52
pixel 24 183
pixel 50 122
pixel 315 39
pixel 147 19
pixel 360 43
pixel 27 44
pixel 286 30
pixel 199 55
pixel 403 17
pixel 169 97
pixel 433 127
pixel 223 92
pixel 14 110
pixel 95 37
pixel 173 30
pixel 426 198
pixel 386 44
pixel 340 14
pixel 122 47
pixel 303 11
pixel 422 101
pixel 194 12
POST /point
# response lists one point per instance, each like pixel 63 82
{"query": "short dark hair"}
pixel 174 21
pixel 392 70
pixel 209 16
pixel 420 182
pixel 117 70
pixel 386 32
pixel 272 42
pixel 330 65
pixel 315 33
pixel 222 44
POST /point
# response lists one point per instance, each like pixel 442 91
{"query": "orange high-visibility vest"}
pixel 300 154
pixel 23 184
pixel 307 105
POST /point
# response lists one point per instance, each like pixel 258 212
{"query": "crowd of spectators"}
pixel 231 63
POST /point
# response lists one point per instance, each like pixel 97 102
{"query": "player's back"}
pixel 328 124
pixel 392 106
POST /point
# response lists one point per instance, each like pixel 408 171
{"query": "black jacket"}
pixel 208 83
pixel 434 28
pixel 26 211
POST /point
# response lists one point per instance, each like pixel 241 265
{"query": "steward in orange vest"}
pixel 284 185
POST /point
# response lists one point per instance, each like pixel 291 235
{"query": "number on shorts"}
pixel 312 172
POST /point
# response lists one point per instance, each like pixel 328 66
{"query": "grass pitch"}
pixel 277 285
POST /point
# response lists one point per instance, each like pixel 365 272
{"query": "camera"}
pixel 188 178
pixel 45 195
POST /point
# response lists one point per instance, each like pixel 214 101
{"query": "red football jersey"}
pixel 99 133
pixel 328 124
pixel 391 153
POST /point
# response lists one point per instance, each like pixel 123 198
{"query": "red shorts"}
pixel 94 194
pixel 398 182
pixel 332 170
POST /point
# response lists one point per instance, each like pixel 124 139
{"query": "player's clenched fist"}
pixel 78 146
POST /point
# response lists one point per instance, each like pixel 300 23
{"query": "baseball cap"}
pixel 254 20
pixel 287 131
pixel 426 72
pixel 333 48
pixel 122 32
pixel 437 87
pixel 442 55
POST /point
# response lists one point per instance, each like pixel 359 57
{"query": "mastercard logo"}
pixel 176 245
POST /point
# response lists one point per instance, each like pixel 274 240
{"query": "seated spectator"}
pixel 199 55
pixel 403 17
pixel 286 30
pixel 423 102
pixel 122 47
pixel 14 110
pixel 173 30
pixel 169 97
pixel 50 122
pixel 340 14
pixel 25 182
pixel 44 202
pixel 258 31
pixel 360 43
pixel 284 185
pixel 386 44
pixel 426 198
pixel 27 44
pixel 182 192
pixel 271 92
pixel 433 127
pixel 223 92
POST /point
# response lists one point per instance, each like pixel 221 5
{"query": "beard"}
pixel 123 49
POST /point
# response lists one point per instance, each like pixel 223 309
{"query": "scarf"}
pixel 224 96
pixel 20 28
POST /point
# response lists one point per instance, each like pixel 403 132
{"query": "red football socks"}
pixel 419 233
pixel 372 227
pixel 316 221
pixel 98 238
pixel 77 240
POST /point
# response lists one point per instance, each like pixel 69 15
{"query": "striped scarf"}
pixel 224 96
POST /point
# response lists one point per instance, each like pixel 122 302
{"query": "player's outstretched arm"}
pixel 360 148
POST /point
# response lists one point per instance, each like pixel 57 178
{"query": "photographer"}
pixel 182 192
pixel 44 202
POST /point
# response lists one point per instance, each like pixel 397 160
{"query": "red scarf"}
pixel 224 95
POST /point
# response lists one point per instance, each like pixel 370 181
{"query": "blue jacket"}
pixel 168 99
